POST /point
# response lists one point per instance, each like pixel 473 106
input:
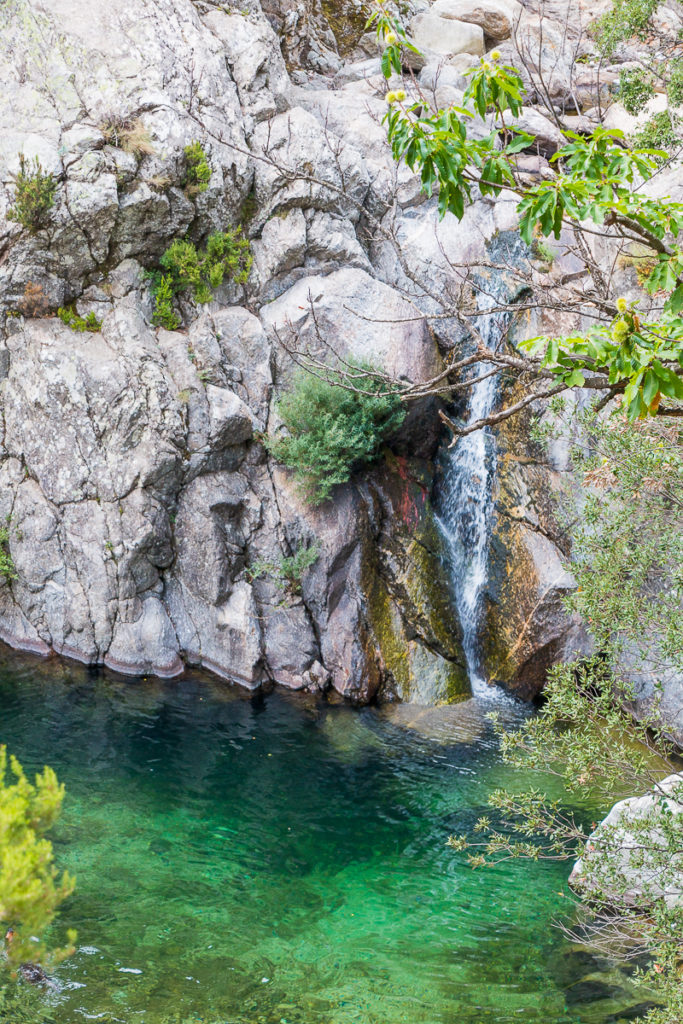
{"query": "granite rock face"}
pixel 142 504
pixel 629 858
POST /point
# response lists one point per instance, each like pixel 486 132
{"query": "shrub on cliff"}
pixel 199 271
pixel 198 169
pixel 34 195
pixel 6 564
pixel 334 429
pixel 31 889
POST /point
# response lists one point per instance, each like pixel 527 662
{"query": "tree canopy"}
pixel 31 887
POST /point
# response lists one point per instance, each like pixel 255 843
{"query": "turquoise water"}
pixel 277 859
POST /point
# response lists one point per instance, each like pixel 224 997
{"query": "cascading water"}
pixel 465 504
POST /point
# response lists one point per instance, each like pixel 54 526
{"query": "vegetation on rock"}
pixel 128 134
pixel 333 430
pixel 184 268
pixel 34 195
pixel 6 564
pixel 31 889
pixel 71 319
pixel 34 302
pixel 198 170
pixel 287 573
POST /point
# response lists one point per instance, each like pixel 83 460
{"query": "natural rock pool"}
pixel 276 859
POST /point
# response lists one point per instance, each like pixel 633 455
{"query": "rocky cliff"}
pixel 138 493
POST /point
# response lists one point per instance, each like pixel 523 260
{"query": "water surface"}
pixel 276 859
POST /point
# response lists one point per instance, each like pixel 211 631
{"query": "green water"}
pixel 276 859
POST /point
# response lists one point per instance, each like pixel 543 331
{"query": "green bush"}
pixel 635 89
pixel 6 564
pixel 78 323
pixel 674 88
pixel 662 131
pixel 624 20
pixel 288 572
pixel 184 268
pixel 333 431
pixel 198 170
pixel 34 195
pixel 164 314
pixel 31 889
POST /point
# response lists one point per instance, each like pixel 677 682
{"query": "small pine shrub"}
pixel 34 195
pixel 185 268
pixel 71 319
pixel 164 314
pixel 6 564
pixel 288 572
pixel 197 171
pixel 333 431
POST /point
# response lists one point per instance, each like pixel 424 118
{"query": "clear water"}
pixel 276 859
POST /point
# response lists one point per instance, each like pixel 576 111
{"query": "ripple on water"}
pixel 246 859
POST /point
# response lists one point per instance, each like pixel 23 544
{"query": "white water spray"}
pixel 465 508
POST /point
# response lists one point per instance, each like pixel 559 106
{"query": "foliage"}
pixel 629 349
pixel 334 430
pixel 71 319
pixel 636 87
pixel 660 132
pixel 185 268
pixel 30 887
pixel 595 180
pixel 128 134
pixel 674 88
pixel 583 736
pixel 628 540
pixel 543 251
pixel 198 170
pixel 164 314
pixel 625 19
pixel 24 1004
pixel 34 195
pixel 6 564
pixel 627 528
pixel 288 571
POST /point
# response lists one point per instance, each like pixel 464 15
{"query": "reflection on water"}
pixel 281 860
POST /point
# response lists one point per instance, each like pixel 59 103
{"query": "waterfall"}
pixel 464 505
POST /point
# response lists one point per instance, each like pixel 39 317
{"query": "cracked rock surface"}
pixel 141 501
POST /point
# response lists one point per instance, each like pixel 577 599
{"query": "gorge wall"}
pixel 133 478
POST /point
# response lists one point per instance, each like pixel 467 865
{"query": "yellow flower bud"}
pixel 400 95
pixel 622 305
pixel 495 55
pixel 390 97
pixel 486 66
pixel 390 38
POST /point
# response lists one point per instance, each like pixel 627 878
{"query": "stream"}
pixel 275 859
